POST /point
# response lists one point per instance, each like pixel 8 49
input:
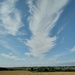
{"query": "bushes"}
pixel 53 69
pixel 43 69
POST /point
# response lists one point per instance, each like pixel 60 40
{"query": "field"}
pixel 34 73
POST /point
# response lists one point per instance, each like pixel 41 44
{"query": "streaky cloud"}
pixel 62 28
pixel 11 56
pixel 10 17
pixel 43 17
pixel 72 49
pixel 6 45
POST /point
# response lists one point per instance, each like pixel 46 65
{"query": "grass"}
pixel 34 73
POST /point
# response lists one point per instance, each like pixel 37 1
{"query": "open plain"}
pixel 34 73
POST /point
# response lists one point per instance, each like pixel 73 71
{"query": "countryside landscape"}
pixel 37 37
pixel 67 70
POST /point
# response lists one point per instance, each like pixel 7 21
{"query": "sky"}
pixel 37 33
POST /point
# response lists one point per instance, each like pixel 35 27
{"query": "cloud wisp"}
pixel 43 18
pixel 11 56
pixel 10 17
pixel 73 49
pixel 6 45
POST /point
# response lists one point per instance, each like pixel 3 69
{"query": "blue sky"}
pixel 37 33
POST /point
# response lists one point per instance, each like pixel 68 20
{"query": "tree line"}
pixel 53 69
pixel 42 69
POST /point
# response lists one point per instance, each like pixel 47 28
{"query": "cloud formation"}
pixel 6 45
pixel 43 18
pixel 11 56
pixel 73 49
pixel 10 17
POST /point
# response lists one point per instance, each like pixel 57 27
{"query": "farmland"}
pixel 57 70
pixel 34 73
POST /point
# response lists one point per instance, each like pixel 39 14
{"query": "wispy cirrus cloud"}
pixel 43 18
pixel 67 63
pixel 10 17
pixel 72 49
pixel 11 56
pixel 6 45
pixel 62 28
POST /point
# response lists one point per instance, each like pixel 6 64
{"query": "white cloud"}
pixel 21 33
pixel 61 29
pixel 44 15
pixel 6 45
pixel 67 63
pixel 11 56
pixel 73 49
pixel 10 17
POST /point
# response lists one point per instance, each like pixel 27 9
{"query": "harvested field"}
pixel 34 73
